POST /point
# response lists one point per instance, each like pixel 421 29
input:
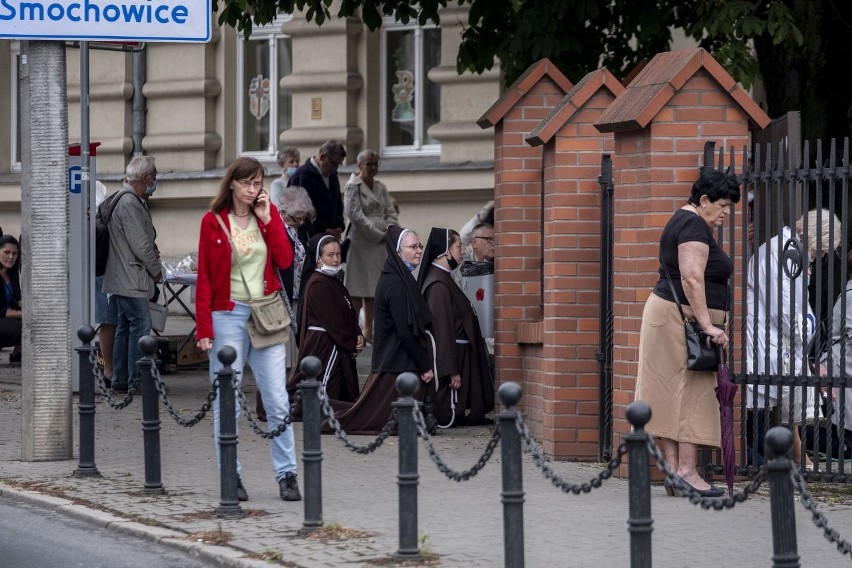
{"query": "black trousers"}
pixel 11 330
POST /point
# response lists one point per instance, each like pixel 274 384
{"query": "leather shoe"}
pixel 713 491
pixel 242 494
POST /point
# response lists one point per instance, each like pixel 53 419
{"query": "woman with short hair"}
pixel 368 206
pixel 685 409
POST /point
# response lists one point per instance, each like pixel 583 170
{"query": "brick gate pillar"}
pixel 679 101
pixel 572 151
pixel 517 207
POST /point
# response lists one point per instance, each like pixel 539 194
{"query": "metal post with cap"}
pixel 640 523
pixel 408 479
pixel 229 505
pixel 312 443
pixel 86 405
pixel 150 416
pixel 512 470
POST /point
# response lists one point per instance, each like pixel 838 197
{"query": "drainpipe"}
pixel 139 107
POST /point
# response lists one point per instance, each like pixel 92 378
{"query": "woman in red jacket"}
pixel 227 281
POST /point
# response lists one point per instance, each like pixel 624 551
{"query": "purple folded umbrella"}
pixel 726 390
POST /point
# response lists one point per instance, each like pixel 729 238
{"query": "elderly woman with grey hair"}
pixel 367 204
pixel 294 206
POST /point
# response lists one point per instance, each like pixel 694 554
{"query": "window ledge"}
pixel 423 163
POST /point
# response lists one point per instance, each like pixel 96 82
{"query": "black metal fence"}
pixel 789 237
pixel 511 434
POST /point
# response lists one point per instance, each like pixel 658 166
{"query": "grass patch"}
pixel 211 515
pixel 218 537
pixel 830 493
pixel 337 532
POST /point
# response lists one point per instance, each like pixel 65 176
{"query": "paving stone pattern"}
pixel 461 522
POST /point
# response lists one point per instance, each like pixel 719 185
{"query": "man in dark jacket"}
pixel 318 175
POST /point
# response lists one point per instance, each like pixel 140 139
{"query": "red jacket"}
pixel 213 290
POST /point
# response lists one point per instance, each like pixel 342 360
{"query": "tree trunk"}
pixel 46 427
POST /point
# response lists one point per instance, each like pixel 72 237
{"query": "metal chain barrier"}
pixel 818 518
pixel 389 427
pixel 420 420
pixel 185 422
pixel 252 419
pixel 99 379
pixel 541 462
pixel 715 503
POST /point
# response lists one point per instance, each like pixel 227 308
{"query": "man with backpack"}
pixel 132 268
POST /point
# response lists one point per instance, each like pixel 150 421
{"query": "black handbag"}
pixel 701 352
pixel 345 243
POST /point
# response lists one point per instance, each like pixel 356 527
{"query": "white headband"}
pixel 401 236
pixel 319 246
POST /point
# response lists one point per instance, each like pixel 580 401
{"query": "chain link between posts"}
pixel 422 429
pixel 252 419
pixel 818 518
pixel 715 503
pixel 566 486
pixel 388 428
pixel 99 379
pixel 185 422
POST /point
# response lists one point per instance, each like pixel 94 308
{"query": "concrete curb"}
pixel 216 555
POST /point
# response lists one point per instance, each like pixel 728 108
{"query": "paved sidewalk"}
pixel 460 522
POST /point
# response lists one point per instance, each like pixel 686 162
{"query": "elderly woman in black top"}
pixel 686 412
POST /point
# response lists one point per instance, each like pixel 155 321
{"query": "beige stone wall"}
pixel 191 124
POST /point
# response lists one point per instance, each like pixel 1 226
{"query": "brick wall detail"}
pixel 570 372
pixel 517 201
pixel 661 122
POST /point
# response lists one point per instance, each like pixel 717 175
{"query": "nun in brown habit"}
pixel 401 319
pixel 464 392
pixel 328 323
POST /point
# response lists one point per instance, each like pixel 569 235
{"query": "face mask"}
pixel 328 270
pixel 408 265
pixel 291 171
pixel 452 262
pixel 149 190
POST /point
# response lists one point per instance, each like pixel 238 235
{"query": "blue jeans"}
pixel 134 322
pixel 270 375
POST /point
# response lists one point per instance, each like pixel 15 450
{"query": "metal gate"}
pixel 792 343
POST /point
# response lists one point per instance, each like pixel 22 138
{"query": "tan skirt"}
pixel 683 403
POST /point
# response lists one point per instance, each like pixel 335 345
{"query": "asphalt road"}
pixel 36 537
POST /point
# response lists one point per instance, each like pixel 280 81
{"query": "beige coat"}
pixel 370 212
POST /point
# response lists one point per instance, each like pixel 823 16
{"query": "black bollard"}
pixel 86 405
pixel 779 440
pixel 150 416
pixel 311 444
pixel 640 523
pixel 229 505
pixel 408 479
pixel 513 483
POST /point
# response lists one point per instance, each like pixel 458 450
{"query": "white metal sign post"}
pixel 177 21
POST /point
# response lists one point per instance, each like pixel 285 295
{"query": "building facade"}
pixel 291 83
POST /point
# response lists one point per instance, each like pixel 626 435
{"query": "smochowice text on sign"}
pixel 99 20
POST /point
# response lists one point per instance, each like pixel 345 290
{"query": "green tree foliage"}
pixel 577 35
